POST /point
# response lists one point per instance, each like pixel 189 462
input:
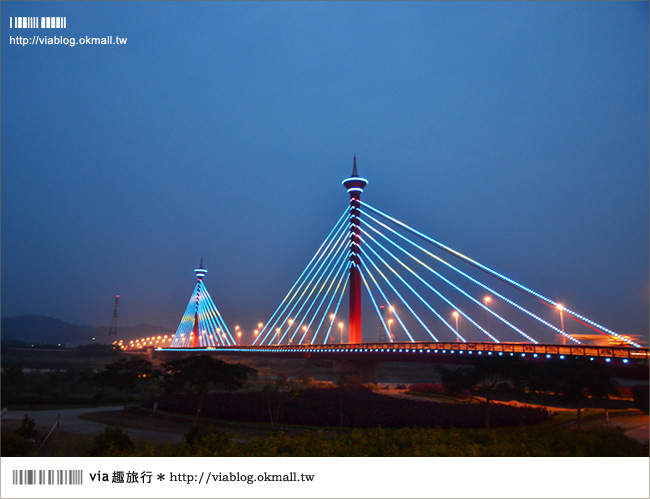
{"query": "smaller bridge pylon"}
pixel 202 325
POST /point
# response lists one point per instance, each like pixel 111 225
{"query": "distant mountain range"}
pixel 42 329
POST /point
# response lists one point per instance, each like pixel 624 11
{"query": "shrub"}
pixel 641 399
pixel 352 406
pixel 14 445
pixel 27 429
pixel 197 434
pixel 113 442
pixel 625 391
pixel 436 389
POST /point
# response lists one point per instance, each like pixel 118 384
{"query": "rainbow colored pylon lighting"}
pixel 202 326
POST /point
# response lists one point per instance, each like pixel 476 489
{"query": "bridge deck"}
pixel 616 355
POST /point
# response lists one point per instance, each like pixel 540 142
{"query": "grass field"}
pixel 552 438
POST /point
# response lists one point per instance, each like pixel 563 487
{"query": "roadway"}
pixel 72 423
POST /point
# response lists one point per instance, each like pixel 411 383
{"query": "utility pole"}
pixel 112 331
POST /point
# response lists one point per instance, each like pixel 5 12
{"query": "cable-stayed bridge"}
pixel 425 301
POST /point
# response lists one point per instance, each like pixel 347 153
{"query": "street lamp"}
pixel 390 332
pixel 341 330
pixel 560 307
pixel 487 301
pixel 277 331
pixel 239 338
pixel 455 314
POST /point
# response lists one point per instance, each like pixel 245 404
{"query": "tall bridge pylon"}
pixel 202 325
pixel 355 185
pixel 433 292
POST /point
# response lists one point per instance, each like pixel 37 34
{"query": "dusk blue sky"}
pixel 514 132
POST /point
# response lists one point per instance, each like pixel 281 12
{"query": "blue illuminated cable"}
pixel 210 332
pixel 334 230
pixel 457 254
pixel 425 302
pixel 214 319
pixel 194 318
pixel 394 289
pixel 222 323
pixel 188 316
pixel 484 286
pixel 346 274
pixel 211 324
pixel 200 322
pixel 460 272
pixel 458 309
pixel 303 286
pixel 457 288
pixel 327 258
pixel 372 298
pixel 342 258
pixel 339 227
pixel 338 267
pixel 334 258
pixel 363 263
pixel 219 319
pixel 201 325
pixel 343 261
pixel 501 277
pixel 189 326
pixel 211 316
pixel 324 265
pixel 206 321
pixel 199 315
pixel 176 342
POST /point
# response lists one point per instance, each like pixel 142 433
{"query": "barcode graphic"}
pixel 38 22
pixel 48 477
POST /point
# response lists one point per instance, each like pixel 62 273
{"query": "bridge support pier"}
pixel 355 372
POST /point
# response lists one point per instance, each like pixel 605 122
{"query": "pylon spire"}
pixel 200 272
pixel 354 168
